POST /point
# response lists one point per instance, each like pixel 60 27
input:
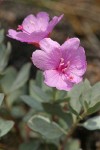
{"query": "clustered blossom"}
pixel 34 28
pixel 63 65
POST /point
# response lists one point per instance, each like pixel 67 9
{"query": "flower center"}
pixel 62 66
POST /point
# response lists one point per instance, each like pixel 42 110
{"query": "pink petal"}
pixel 37 36
pixel 43 15
pixel 54 79
pixel 78 63
pixel 69 48
pixel 48 45
pixel 45 61
pixel 53 22
pixel 72 77
pixel 42 20
pixel 30 24
pixel 13 34
pixel 72 43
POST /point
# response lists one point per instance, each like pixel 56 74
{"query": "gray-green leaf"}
pixel 4 55
pixel 92 123
pixel 22 77
pixel 31 145
pixel 72 145
pixel 1 98
pixel 45 127
pixel 32 103
pixel 5 126
pixel 37 93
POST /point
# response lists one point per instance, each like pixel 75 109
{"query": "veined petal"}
pixel 48 45
pixel 37 36
pixel 33 37
pixel 69 48
pixel 43 15
pixel 44 61
pixel 53 22
pixel 72 43
pixel 78 64
pixel 30 24
pixel 72 77
pixel 23 37
pixel 42 20
pixel 55 79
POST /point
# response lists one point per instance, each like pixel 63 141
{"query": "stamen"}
pixel 62 66
pixel 64 70
pixel 20 27
pixel 62 60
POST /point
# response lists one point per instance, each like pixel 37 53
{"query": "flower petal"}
pixel 72 77
pixel 37 36
pixel 54 79
pixel 30 24
pixel 42 20
pixel 69 48
pixel 16 35
pixel 24 37
pixel 53 22
pixel 43 15
pixel 78 63
pixel 45 61
pixel 48 45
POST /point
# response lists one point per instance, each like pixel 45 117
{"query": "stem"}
pixel 72 130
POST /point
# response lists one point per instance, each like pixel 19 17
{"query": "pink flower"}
pixel 64 65
pixel 34 29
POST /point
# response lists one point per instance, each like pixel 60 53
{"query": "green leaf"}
pixel 1 36
pixel 93 109
pixel 48 129
pixel 4 55
pixel 30 113
pixel 32 103
pixel 92 123
pixel 1 98
pixel 39 78
pixel 93 95
pixel 77 101
pixel 18 112
pixel 21 78
pixel 60 94
pixel 5 126
pixel 72 145
pixel 63 100
pixel 55 109
pixel 73 111
pixel 37 93
pixel 40 83
pixel 74 95
pixel 31 145
pixel 14 96
pixel 86 85
pixel 9 77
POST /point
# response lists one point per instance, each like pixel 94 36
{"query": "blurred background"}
pixel 81 19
